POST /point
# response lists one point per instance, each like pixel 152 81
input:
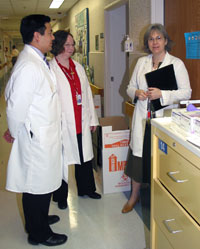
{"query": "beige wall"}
pixel 4 56
pixel 139 19
pixel 96 26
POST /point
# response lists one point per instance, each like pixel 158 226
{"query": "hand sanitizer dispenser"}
pixel 128 44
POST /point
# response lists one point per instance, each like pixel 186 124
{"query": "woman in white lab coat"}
pixel 157 44
pixel 78 117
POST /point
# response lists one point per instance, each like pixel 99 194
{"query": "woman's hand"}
pixel 154 93
pixel 93 128
pixel 141 94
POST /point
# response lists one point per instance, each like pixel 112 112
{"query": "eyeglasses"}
pixel 69 45
pixel 157 39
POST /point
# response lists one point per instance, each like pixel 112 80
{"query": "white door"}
pixel 116 60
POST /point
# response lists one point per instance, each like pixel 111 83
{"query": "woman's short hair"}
pixel 59 41
pixel 161 29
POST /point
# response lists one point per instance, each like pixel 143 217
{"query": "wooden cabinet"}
pixel 175 189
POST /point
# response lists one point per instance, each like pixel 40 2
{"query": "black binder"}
pixel 164 79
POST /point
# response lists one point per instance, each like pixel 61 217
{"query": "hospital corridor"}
pixel 88 223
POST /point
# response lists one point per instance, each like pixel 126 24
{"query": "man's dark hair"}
pixel 58 43
pixel 31 24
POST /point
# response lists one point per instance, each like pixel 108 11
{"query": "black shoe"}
pixel 52 219
pixel 32 241
pixel 62 204
pixel 95 195
pixel 54 240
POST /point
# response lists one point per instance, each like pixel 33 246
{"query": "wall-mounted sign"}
pixel 97 42
pixel 82 37
pixel 192 42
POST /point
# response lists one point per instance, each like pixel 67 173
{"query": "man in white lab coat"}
pixel 34 122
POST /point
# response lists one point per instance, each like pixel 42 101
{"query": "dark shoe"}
pixel 54 240
pixel 52 219
pixel 62 204
pixel 32 241
pixel 95 195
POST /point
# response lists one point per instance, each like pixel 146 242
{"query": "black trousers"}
pixel 146 157
pixel 36 209
pixel 84 177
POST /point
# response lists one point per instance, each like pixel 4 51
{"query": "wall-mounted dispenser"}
pixel 128 44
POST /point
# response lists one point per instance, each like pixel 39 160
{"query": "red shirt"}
pixel 75 86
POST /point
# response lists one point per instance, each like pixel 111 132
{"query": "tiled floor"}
pixel 89 224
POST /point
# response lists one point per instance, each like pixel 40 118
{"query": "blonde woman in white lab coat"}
pixel 157 44
pixel 79 118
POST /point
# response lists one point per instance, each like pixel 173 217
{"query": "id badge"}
pixel 78 99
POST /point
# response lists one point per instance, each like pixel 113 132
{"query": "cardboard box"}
pixel 111 146
pixel 97 104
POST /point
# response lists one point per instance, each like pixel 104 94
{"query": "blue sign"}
pixel 192 42
pixel 162 146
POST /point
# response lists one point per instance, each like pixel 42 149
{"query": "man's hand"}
pixel 7 136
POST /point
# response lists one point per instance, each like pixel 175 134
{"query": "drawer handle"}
pixel 171 175
pixel 169 228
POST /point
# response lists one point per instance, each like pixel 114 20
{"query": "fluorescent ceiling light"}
pixel 56 4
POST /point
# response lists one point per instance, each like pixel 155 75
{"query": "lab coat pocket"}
pixel 64 128
pixel 28 129
pixel 64 122
pixel 49 135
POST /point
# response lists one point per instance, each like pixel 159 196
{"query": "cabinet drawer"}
pixel 178 226
pixel 182 179
pixel 160 240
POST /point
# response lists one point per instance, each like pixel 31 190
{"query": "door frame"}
pixel 157 11
pixel 107 88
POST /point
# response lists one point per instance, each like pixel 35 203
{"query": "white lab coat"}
pixel 89 117
pixel 138 81
pixel 35 163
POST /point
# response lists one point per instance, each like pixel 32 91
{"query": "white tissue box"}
pixel 188 121
pixel 176 115
pixel 197 126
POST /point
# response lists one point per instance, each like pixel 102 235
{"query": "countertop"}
pixel 171 129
